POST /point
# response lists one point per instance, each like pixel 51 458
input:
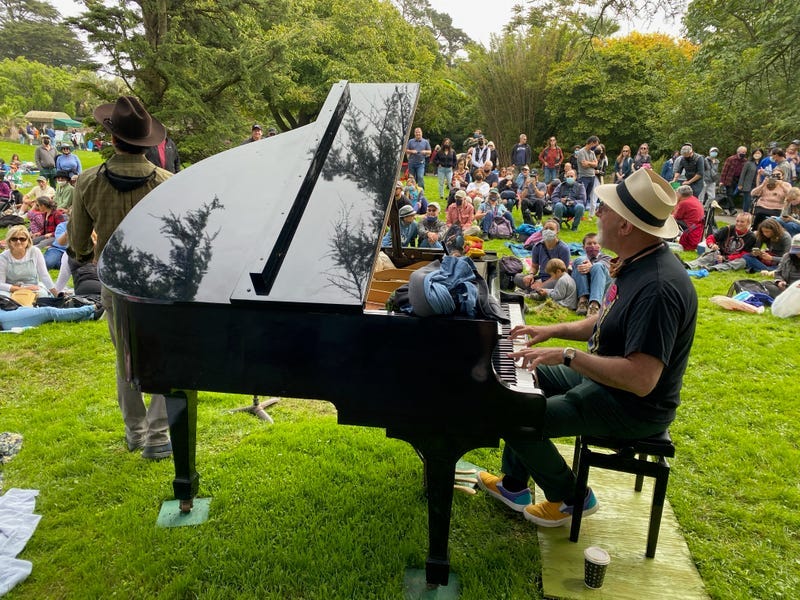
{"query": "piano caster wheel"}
pixel 186 506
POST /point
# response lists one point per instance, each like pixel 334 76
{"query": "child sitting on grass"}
pixel 565 292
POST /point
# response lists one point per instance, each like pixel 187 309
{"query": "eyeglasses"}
pixel 18 239
pixel 432 210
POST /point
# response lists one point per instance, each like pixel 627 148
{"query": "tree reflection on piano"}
pixel 367 156
pixel 145 275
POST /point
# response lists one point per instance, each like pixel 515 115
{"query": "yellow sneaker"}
pixel 556 514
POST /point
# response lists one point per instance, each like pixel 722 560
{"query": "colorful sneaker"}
pixel 556 514
pixel 494 486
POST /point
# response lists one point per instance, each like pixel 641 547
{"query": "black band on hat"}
pixel 637 209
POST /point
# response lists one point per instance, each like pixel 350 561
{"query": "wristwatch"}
pixel 568 354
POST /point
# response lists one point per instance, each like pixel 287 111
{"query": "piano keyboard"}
pixel 515 377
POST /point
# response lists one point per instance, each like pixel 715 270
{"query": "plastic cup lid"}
pixel 596 555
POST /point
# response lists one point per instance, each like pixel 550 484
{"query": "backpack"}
pixel 754 287
pixel 501 228
pixel 509 266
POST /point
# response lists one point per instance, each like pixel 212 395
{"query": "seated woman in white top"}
pixel 22 265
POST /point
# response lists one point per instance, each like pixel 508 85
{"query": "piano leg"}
pixel 182 416
pixel 440 454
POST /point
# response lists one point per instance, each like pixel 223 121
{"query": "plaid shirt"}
pixel 731 170
pixel 99 206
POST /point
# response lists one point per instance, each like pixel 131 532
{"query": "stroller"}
pixel 710 222
pixel 6 197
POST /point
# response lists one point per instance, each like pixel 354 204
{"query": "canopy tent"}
pixel 66 123
pixel 44 116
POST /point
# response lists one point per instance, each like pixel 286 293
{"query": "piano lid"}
pixel 295 218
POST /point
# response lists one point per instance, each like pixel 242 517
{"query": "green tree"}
pixel 26 85
pixel 748 61
pixel 34 30
pixel 613 90
pixel 508 83
pixel 301 59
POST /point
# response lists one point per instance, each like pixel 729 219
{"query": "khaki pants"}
pixel 146 426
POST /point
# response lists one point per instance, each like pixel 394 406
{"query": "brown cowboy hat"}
pixel 127 120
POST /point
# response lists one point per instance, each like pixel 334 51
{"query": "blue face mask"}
pixel 431 219
pixel 570 180
pixel 713 155
pixel 593 148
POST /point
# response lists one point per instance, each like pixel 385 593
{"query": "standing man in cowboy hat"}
pixel 102 197
pixel 628 383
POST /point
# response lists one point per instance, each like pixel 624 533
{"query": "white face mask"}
pixel 548 235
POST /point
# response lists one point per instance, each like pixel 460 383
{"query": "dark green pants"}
pixel 575 406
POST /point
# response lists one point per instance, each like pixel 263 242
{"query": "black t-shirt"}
pixel 651 308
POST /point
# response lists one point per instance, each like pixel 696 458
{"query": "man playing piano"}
pixel 103 196
pixel 628 383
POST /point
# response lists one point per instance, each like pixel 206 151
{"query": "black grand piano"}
pixel 255 267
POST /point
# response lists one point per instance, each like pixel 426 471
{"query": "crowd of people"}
pixel 476 192
pixel 37 239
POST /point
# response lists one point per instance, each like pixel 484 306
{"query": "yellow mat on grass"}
pixel 620 528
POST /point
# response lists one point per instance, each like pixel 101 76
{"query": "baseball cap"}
pixel 461 194
pixel 256 126
pixel 795 247
pixel 41 178
pixel 686 150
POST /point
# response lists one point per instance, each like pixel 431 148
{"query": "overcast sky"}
pixel 478 18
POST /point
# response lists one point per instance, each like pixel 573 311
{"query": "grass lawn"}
pixel 306 508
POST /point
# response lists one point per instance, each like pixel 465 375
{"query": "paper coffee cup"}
pixel 594 566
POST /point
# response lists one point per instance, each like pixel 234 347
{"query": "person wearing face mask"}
pixel 691 168
pixel 461 212
pixel 591 276
pixel 63 195
pixel 770 197
pixel 569 200
pixel 431 229
pixel 747 179
pixel 711 179
pixel 550 247
pixel 45 158
pixel 479 155
pixel 729 178
pixel 445 161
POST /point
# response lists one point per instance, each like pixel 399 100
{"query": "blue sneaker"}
pixel 556 514
pixel 494 486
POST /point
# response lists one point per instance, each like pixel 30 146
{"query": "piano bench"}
pixel 629 456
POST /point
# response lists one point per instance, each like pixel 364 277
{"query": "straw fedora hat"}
pixel 128 121
pixel 646 200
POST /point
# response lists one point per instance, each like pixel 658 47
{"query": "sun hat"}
pixel 41 178
pixel 127 120
pixel 406 210
pixel 645 199
pixel 795 247
pixel 433 205
pixel 460 195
